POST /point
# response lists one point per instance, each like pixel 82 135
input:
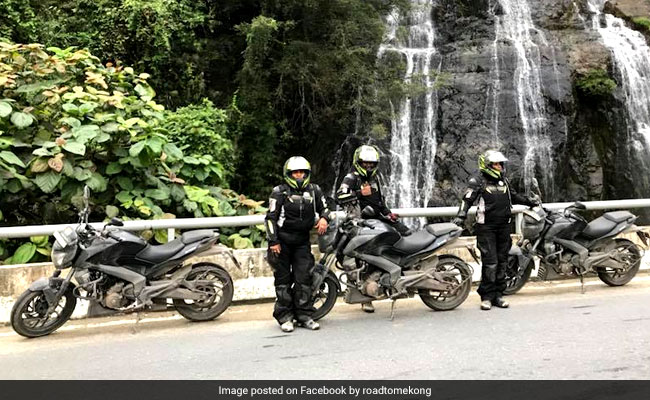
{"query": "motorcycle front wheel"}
pixel 462 277
pixel 515 280
pixel 29 316
pixel 325 298
pixel 217 285
pixel 631 255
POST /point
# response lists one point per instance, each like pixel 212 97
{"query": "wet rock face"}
pixel 589 157
pixel 591 152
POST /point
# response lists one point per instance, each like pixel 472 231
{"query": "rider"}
pixel 293 208
pixel 495 198
pixel 361 188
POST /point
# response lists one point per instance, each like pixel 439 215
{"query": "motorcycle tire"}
pixel 438 301
pixel 325 298
pixel 219 300
pixel 612 277
pixel 513 282
pixel 32 305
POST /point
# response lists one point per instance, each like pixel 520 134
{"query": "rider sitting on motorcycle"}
pixel 495 197
pixel 361 188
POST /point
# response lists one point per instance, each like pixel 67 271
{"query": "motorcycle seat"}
pixel 619 216
pixel 441 229
pixel 156 254
pixel 196 235
pixel 414 242
pixel 598 227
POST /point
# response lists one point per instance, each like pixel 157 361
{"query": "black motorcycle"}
pixel 121 272
pixel 377 263
pixel 568 245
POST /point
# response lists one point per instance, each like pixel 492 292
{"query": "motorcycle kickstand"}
pixel 582 284
pixel 138 318
pixel 392 309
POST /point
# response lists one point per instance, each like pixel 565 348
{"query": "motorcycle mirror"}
pixel 116 222
pixel 368 212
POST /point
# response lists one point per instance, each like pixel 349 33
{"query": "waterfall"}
pixel 413 135
pixel 631 56
pixel 516 28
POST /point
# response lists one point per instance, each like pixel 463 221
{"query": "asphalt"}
pixel 551 331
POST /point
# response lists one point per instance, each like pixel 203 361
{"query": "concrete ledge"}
pixel 253 282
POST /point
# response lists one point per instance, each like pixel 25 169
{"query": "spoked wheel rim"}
pixel 213 288
pixel 34 314
pixel 630 256
pixel 321 296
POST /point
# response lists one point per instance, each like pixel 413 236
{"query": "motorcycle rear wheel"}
pixel 440 301
pixel 28 315
pixel 220 290
pixel 632 255
pixel 325 298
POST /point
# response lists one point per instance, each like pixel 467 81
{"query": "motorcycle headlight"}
pixel 64 248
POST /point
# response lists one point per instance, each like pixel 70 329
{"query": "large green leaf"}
pixel 82 174
pixel 11 158
pixel 39 241
pixel 123 197
pixel 160 235
pixel 24 253
pixel 47 181
pixel 145 91
pixel 112 211
pixel 21 119
pixel 71 121
pixel 84 133
pixel 173 152
pixel 125 182
pixel 114 168
pixel 74 147
pixel 158 194
pixel 136 149
pixel 155 144
pixel 5 109
pixel 97 182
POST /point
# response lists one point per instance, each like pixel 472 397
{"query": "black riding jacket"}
pixel 293 212
pixel 350 190
pixel 494 198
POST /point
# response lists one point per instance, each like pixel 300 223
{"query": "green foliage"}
pixel 642 22
pixel 201 132
pixel 82 123
pixel 595 83
pixel 37 249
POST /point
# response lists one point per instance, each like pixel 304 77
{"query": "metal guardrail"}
pixel 249 220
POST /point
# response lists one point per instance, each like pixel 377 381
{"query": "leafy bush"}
pixel 595 83
pixel 201 131
pixel 642 22
pixel 67 121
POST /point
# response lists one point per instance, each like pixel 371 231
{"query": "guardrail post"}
pixel 170 234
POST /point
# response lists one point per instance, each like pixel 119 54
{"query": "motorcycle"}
pixel 377 263
pixel 122 272
pixel 568 245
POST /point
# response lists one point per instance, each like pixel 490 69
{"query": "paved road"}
pixel 552 331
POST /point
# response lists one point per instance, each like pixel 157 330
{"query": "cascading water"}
pixel 515 28
pixel 413 135
pixel 631 56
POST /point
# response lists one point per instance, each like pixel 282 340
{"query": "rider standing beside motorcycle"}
pixel 361 188
pixel 293 208
pixel 495 197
